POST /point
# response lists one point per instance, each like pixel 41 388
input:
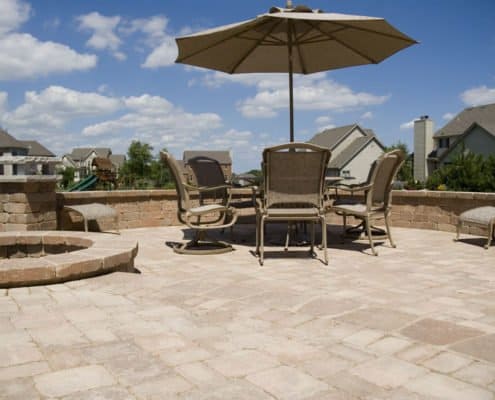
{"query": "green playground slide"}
pixel 86 184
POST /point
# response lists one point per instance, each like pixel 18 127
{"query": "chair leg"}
pixel 324 238
pixel 262 239
pixel 287 236
pixel 257 234
pixel 389 233
pixel 344 227
pixel 458 231
pixel 370 235
pixel 490 235
pixel 312 236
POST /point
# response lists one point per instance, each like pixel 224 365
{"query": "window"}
pixel 346 173
pixel 1 170
pixel 14 169
pixel 444 143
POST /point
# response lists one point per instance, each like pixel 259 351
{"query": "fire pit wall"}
pixel 147 208
pixel 28 203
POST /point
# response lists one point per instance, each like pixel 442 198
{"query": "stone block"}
pixel 70 265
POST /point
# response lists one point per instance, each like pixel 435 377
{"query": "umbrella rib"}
pixel 247 53
pixel 195 53
pixel 329 35
pixel 347 26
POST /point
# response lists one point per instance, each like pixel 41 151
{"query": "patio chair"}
pixel 293 189
pixel 200 218
pixel 377 196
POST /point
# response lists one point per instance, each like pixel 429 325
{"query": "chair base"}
pixel 359 232
pixel 203 247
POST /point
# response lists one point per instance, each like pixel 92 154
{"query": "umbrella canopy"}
pixel 299 40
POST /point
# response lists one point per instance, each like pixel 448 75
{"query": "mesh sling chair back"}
pixel 200 218
pixel 293 189
pixel 377 196
pixel 208 172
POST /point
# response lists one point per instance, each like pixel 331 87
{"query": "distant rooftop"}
pixel 484 116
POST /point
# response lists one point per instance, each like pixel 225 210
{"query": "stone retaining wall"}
pixel 146 208
pixel 27 203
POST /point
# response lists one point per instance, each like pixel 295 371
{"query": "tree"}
pixel 468 172
pixel 405 174
pixel 67 177
pixel 136 170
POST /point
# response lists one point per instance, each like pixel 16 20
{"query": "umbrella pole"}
pixel 291 86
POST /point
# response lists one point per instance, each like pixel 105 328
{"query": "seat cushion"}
pixel 292 212
pixel 350 208
pixel 479 215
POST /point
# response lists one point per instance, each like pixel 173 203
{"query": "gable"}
pixel 476 139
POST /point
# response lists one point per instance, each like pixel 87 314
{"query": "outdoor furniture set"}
pixel 293 191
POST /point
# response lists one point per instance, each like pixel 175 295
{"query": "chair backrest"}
pixel 294 173
pixel 381 178
pixel 183 201
pixel 208 172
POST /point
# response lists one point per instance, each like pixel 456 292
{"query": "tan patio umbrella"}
pixel 298 39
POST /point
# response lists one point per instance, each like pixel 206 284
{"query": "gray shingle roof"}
pixel 482 115
pixel 36 149
pixel 350 151
pixel 80 153
pixel 222 156
pixel 7 140
pixel 117 159
pixel 330 138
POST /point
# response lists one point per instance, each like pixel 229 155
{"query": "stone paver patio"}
pixel 416 322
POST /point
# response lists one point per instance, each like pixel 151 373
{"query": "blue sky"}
pixel 101 73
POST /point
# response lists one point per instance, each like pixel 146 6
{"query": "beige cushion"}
pixel 479 215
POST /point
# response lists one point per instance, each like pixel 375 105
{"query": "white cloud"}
pixel 24 56
pixel 162 44
pixel 314 95
pixel 322 120
pixel 367 115
pixel 103 32
pixel 478 96
pixel 407 125
pixel 311 92
pixel 162 56
pixel 3 102
pixel 448 116
pixel 12 14
pixel 53 107
pixel 52 114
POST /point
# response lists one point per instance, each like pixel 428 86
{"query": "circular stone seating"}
pixel 41 257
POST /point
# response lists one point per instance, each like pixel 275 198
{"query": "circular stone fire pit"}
pixel 41 257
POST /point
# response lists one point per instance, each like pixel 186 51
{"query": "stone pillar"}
pixel 28 203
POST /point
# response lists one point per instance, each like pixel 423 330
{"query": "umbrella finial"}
pixel 289 4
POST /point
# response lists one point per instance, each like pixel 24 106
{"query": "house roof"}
pixel 117 159
pixel 80 153
pixel 222 156
pixel 351 151
pixel 459 139
pixel 7 140
pixel 36 149
pixel 482 115
pixel 330 138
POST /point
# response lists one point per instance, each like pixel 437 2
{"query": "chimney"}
pixel 423 146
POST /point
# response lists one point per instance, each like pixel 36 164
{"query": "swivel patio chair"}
pixel 293 189
pixel 203 217
pixel 377 196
